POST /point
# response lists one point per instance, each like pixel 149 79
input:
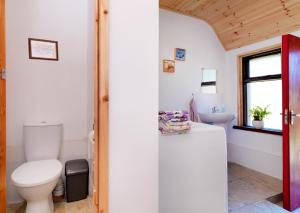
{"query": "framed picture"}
pixel 179 54
pixel 169 66
pixel 43 49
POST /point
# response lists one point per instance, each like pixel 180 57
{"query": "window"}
pixel 262 86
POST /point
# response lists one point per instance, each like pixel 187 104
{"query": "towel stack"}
pixel 174 122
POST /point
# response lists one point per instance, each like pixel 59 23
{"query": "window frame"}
pixel 244 79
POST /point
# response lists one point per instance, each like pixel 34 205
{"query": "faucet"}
pixel 214 109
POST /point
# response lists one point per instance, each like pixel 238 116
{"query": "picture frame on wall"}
pixel 179 54
pixel 43 49
pixel 169 66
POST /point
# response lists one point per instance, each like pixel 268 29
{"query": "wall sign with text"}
pixel 43 49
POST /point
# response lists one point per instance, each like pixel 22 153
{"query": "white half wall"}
pixel 203 50
pixel 133 155
pixel 261 152
pixel 48 90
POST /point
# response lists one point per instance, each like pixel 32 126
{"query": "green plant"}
pixel 259 113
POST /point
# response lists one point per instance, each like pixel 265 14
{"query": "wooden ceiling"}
pixel 241 22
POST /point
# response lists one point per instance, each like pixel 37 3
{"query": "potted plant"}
pixel 259 113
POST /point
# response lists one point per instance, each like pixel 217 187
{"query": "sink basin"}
pixel 216 118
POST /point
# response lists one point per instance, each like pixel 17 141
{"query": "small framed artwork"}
pixel 43 49
pixel 169 66
pixel 179 54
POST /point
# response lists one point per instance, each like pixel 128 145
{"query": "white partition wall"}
pixel 133 163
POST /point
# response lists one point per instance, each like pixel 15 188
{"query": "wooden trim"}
pixel 252 129
pixel 260 50
pixel 42 40
pixel 240 92
pixel 240 100
pixel 101 108
pixel 95 164
pixel 2 111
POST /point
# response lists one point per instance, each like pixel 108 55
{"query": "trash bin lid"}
pixel 75 167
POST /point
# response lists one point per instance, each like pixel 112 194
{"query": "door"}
pixel 2 111
pixel 291 121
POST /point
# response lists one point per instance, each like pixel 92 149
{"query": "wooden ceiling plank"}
pixel 248 11
pixel 169 3
pixel 183 4
pixel 241 22
pixel 209 9
pixel 225 14
pixel 273 20
pixel 267 32
pixel 235 22
pixel 243 42
pixel 195 4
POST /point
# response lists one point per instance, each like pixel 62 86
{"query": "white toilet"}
pixel 36 179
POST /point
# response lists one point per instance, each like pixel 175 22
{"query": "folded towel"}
pixel 174 122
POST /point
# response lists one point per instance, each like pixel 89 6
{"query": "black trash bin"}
pixel 77 179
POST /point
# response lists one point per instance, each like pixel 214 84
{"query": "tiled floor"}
pixel 83 206
pixel 248 191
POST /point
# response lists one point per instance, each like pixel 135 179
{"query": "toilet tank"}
pixel 42 140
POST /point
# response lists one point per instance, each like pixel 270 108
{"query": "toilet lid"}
pixel 36 173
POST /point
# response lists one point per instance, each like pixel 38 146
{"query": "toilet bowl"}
pixel 35 181
pixel 37 177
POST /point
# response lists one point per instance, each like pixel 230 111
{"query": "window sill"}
pixel 252 129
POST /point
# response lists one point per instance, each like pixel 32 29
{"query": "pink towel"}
pixel 193 111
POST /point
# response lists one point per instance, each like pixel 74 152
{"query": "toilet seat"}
pixel 36 173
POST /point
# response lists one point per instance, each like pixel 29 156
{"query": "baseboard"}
pixel 253 159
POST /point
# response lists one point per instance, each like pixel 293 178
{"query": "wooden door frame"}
pixel 101 106
pixel 101 101
pixel 2 111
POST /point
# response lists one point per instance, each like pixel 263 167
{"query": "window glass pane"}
pixel 266 93
pixel 267 65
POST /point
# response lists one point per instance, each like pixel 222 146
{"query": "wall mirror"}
pixel 209 81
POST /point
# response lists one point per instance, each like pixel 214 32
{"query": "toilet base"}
pixel 38 206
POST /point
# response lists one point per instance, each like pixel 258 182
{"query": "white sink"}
pixel 216 118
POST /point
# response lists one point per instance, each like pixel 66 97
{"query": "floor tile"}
pixel 249 189
pixel 260 207
pixel 82 206
pixel 246 191
pixel 271 182
pixel 236 172
pixel 16 208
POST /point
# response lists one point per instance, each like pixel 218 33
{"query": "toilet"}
pixel 36 179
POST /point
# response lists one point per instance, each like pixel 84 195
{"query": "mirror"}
pixel 209 81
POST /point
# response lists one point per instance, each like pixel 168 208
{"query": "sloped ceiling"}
pixel 241 22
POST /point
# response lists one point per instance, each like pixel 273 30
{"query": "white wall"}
pixel 258 151
pixel 133 182
pixel 261 152
pixel 48 90
pixel 203 50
